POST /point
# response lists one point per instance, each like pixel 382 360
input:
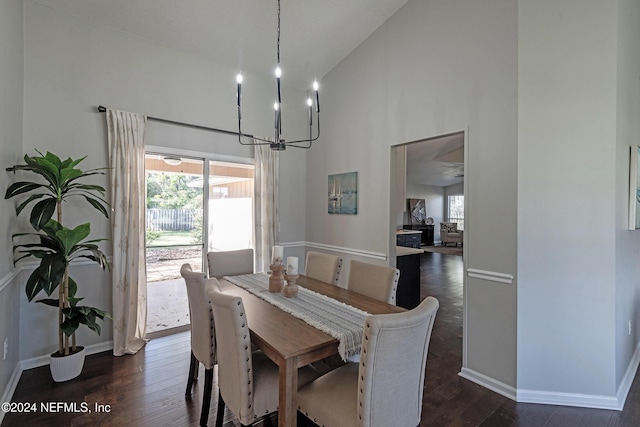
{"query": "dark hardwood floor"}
pixel 147 389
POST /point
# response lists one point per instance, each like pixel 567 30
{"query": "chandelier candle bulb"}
pixel 310 104
pixel 316 87
pixel 278 74
pixel 277 117
pixel 239 92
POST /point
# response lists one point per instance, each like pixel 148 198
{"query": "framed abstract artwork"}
pixel 342 194
pixel 417 211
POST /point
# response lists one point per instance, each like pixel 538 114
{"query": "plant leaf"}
pixel 42 213
pixel 21 187
pixel 71 237
pixel 52 169
pixel 34 285
pixel 52 269
pixel 73 288
pixel 49 301
pixel 98 205
pixel 24 204
pixel 68 174
pixel 69 326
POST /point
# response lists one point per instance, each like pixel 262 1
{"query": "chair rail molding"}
pixel 492 276
pixel 344 250
pixel 9 278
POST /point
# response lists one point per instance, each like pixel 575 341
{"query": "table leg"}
pixel 288 385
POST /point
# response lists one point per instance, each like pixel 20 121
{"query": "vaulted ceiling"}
pixel 315 34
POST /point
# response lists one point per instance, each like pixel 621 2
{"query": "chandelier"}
pixel 279 143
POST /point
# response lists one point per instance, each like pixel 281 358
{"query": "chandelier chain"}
pixel 278 45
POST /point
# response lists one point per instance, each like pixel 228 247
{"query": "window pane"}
pixel 230 206
pixel 456 210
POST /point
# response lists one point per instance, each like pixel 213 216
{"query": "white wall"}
pixel 71 66
pixel 433 68
pixel 575 259
pixel 627 248
pixel 11 79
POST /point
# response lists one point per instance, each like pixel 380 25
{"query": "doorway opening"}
pixel 194 205
pixel 428 189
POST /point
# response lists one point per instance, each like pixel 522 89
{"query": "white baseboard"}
pixel 627 379
pixel 36 362
pixel 11 387
pixel 584 400
pixel 568 399
pixel 562 399
pixel 488 382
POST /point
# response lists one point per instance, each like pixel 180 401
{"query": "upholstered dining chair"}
pixel 375 281
pixel 203 343
pixel 386 387
pixel 247 381
pixel 230 263
pixel 323 267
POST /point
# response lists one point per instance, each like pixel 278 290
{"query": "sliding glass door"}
pixel 194 206
pixel 174 236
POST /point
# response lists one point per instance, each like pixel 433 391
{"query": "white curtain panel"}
pixel 127 175
pixel 266 204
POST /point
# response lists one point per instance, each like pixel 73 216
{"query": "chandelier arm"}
pixel 241 135
pixel 292 145
pixel 263 141
pixel 309 140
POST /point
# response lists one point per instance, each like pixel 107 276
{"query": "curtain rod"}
pixel 102 109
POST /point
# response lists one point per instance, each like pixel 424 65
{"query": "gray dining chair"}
pixel 386 387
pixel 323 267
pixel 247 381
pixel 203 342
pixel 375 281
pixel 230 263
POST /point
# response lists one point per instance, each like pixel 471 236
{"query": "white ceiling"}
pixel 438 162
pixel 315 34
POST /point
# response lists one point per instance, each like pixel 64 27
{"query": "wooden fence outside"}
pixel 173 219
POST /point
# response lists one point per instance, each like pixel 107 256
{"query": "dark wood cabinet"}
pixel 427 232
pixel 408 292
pixel 408 240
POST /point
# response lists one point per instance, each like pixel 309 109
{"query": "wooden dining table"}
pixel 291 342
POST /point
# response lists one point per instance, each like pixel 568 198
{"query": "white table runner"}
pixel 342 321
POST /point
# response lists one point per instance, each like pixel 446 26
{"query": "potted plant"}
pixel 56 246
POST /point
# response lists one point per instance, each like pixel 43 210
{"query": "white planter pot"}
pixel 67 367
